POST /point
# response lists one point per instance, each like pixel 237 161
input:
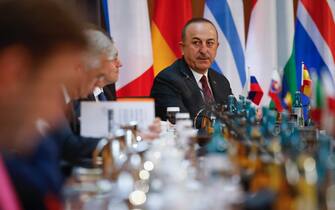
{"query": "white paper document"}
pixel 99 119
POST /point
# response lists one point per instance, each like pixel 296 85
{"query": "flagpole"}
pixel 302 74
pixel 246 87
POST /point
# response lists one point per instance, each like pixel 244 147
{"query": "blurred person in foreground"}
pixel 61 148
pixel 35 57
pixel 40 44
pixel 190 83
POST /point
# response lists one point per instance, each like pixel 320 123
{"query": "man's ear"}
pixel 181 46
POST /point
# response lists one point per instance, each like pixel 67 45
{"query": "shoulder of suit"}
pixel 171 70
pixel 212 72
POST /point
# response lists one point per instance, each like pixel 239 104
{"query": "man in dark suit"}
pixel 104 55
pixel 100 69
pixel 109 64
pixel 190 83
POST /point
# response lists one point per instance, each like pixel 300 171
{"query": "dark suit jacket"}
pixel 176 86
pixel 36 176
pixel 72 147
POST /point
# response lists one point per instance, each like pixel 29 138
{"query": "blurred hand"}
pixel 153 130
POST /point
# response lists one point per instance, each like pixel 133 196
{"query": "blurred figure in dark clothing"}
pixel 40 44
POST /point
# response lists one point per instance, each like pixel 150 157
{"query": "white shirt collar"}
pixel 198 76
pixel 97 91
pixel 66 94
pixel 42 126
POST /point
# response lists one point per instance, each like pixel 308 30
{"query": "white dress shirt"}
pixel 198 77
pixel 66 95
pixel 96 92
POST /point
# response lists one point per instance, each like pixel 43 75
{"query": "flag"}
pixel 255 93
pixel 328 111
pixel 287 101
pixel 306 82
pixel 315 45
pixel 228 17
pixel 314 37
pixel 275 90
pixel 128 23
pixel 317 99
pixel 169 18
pixel 270 43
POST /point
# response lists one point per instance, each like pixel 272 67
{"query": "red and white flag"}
pixel 128 23
pixel 275 90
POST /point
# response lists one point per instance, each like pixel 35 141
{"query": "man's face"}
pixel 200 46
pixel 35 94
pixel 87 81
pixel 110 68
pixel 58 69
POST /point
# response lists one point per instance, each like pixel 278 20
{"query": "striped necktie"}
pixel 208 96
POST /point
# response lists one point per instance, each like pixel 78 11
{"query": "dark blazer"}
pixel 72 113
pixel 176 86
pixel 73 148
pixel 36 176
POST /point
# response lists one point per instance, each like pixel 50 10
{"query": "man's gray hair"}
pixel 98 44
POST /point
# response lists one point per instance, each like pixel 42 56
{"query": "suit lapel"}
pixel 214 85
pixel 109 93
pixel 219 88
pixel 191 82
pixel 71 115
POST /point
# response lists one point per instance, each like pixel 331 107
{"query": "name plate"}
pixel 99 119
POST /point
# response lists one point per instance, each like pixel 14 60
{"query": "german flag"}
pixel 168 20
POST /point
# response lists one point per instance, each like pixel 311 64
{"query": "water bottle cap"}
pixel 173 109
pixel 183 115
pixel 184 123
